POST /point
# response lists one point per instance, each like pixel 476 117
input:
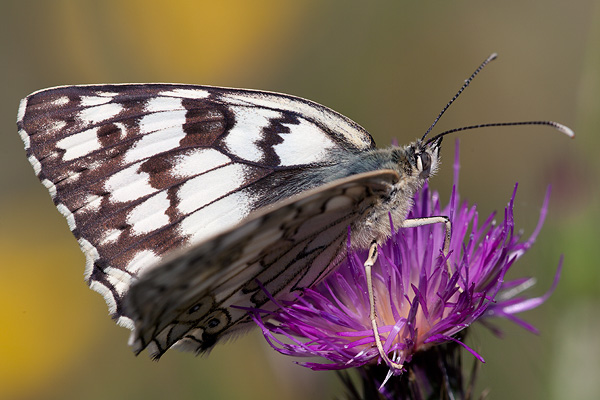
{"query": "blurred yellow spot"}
pixel 45 305
pixel 188 40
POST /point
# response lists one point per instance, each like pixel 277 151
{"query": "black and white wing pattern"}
pixel 140 171
pixel 278 250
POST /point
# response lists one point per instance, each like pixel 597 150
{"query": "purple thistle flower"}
pixel 419 304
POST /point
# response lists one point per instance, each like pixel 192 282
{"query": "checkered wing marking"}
pixel 141 170
pixel 185 302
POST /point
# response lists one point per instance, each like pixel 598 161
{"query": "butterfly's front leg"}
pixel 409 223
pixel 415 222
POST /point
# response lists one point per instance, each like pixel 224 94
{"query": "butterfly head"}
pixel 426 158
pixel 419 161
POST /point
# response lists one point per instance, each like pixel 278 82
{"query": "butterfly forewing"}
pixel 142 170
pixel 186 300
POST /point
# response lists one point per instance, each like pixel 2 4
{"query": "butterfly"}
pixel 193 202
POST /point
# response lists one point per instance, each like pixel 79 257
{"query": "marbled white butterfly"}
pixel 187 199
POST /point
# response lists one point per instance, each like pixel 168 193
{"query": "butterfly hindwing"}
pixel 186 301
pixel 141 170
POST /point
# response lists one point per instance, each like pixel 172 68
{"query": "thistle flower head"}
pixel 419 302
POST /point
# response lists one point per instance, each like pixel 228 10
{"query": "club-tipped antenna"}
pixel 492 57
pixel 559 127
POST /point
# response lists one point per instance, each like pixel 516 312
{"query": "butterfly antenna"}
pixel 559 127
pixel 464 86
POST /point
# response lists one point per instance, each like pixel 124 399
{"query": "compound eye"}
pixel 424 164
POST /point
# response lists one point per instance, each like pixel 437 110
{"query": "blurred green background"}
pixel 390 66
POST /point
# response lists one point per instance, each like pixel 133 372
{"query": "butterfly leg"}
pixel 368 265
pixel 415 222
pixel 409 223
